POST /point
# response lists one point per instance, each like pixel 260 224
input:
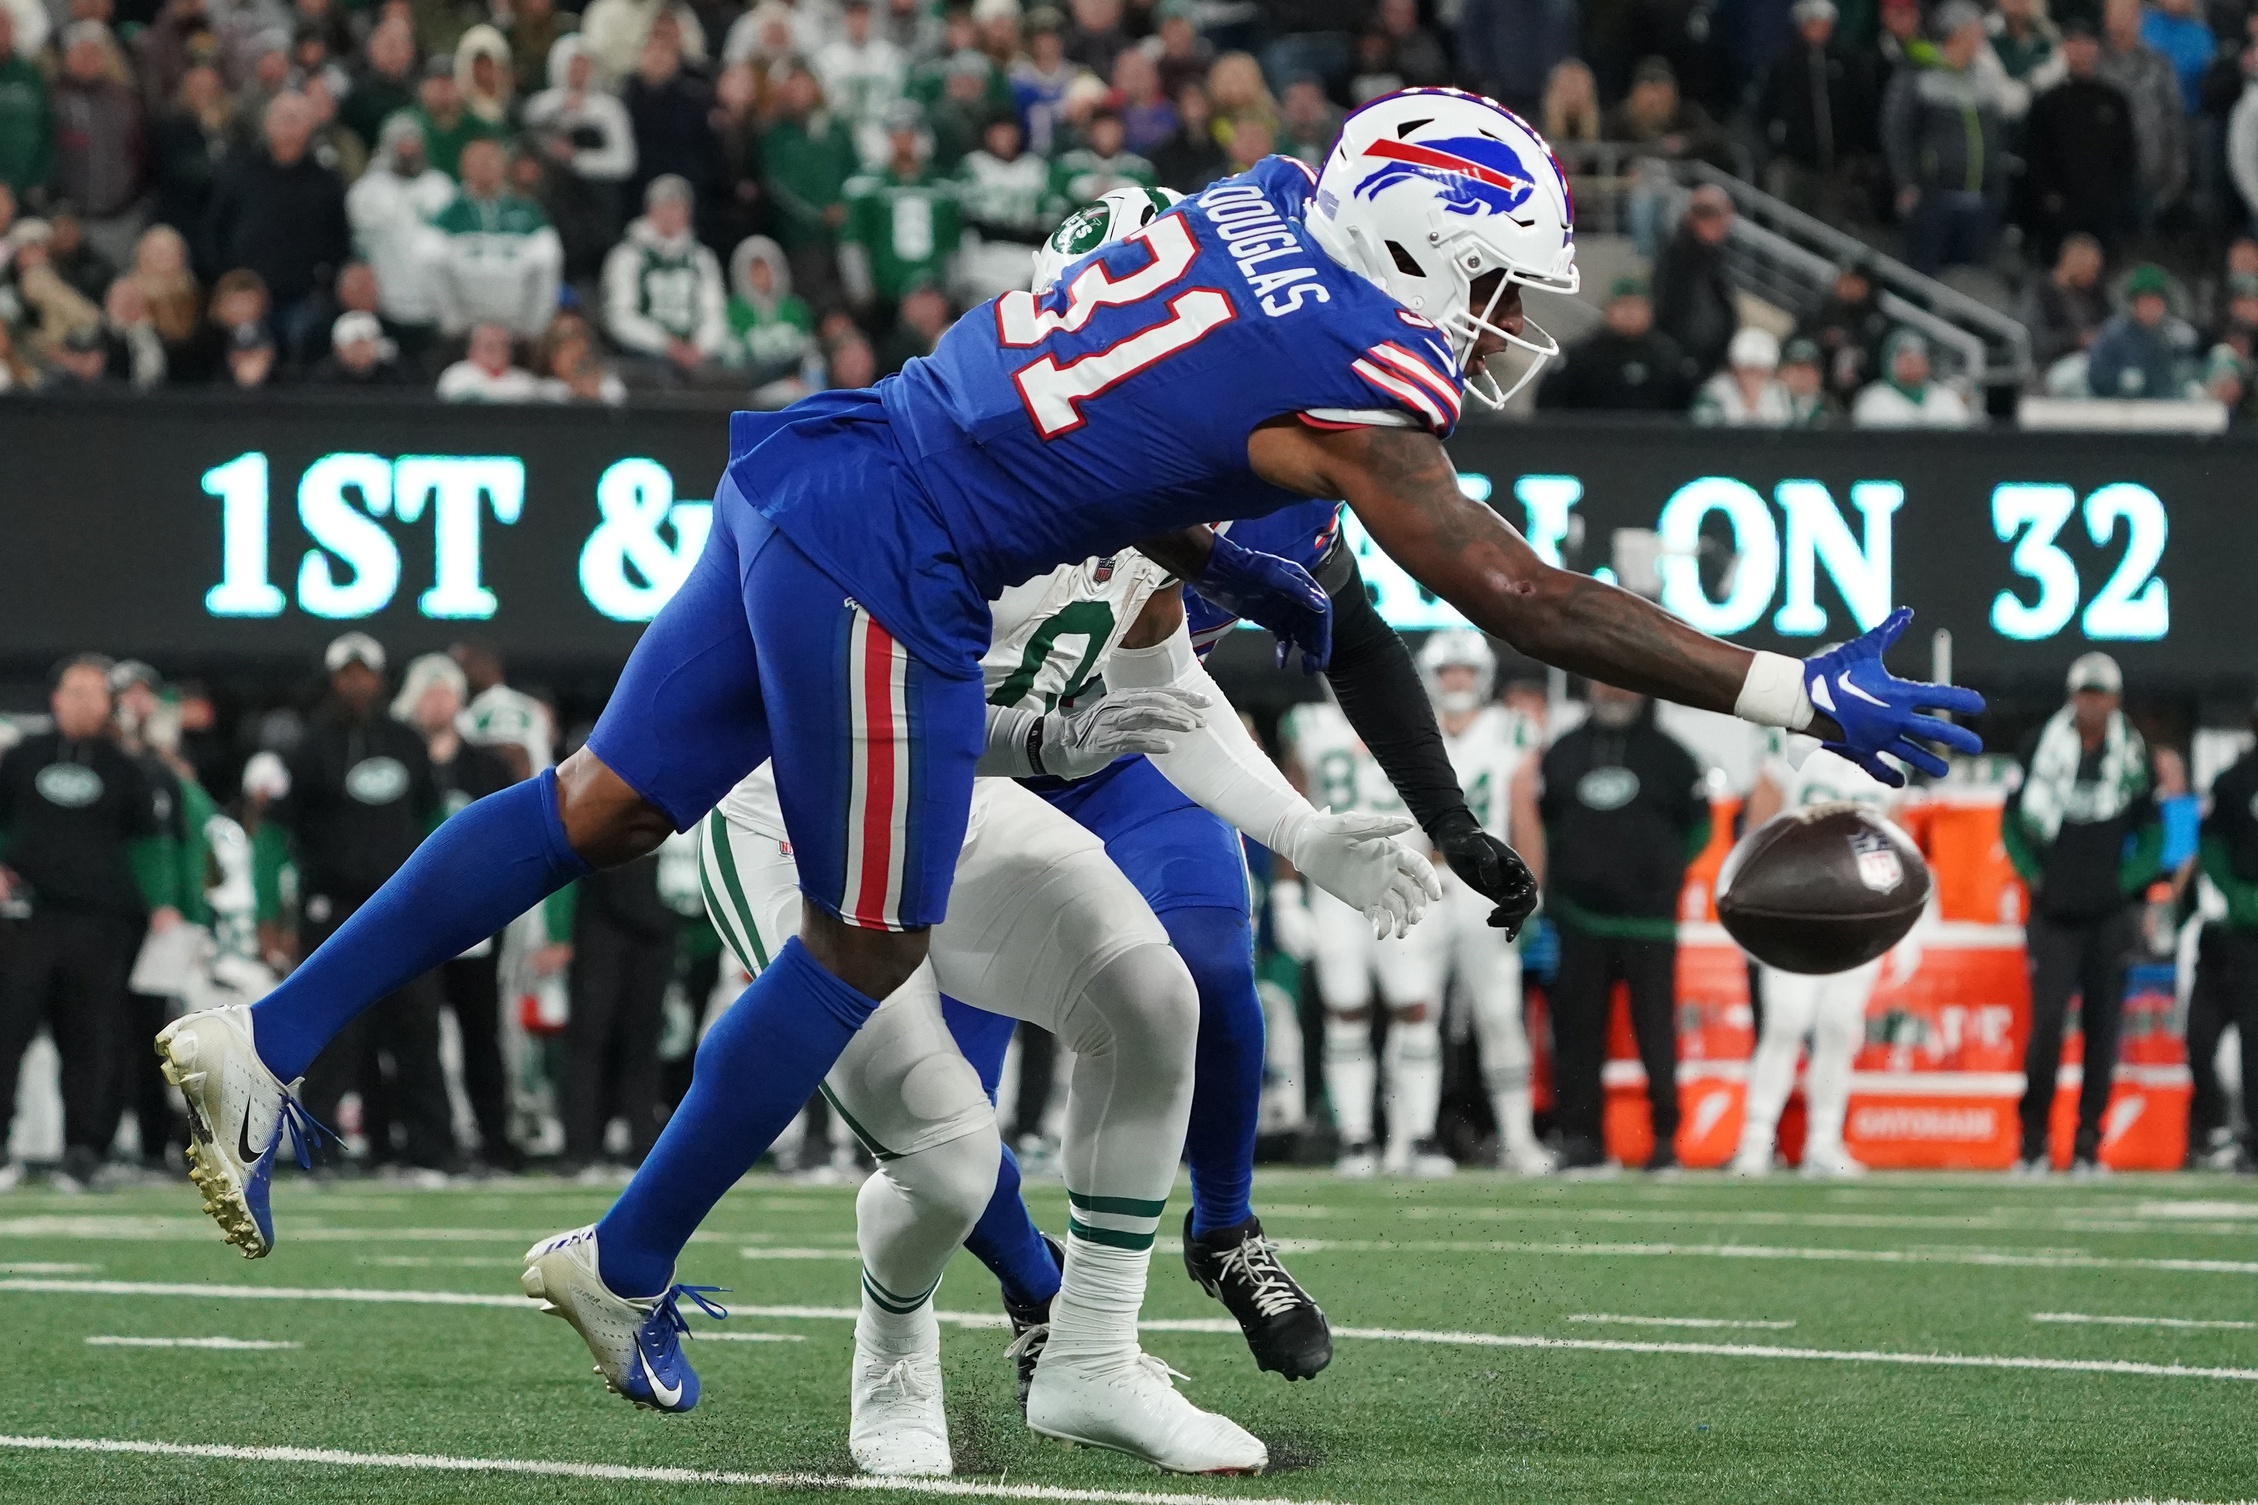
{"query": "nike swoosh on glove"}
pixel 1489 867
pixel 1880 713
pixel 1274 593
pixel 1357 860
pixel 1077 743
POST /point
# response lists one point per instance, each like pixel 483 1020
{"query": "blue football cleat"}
pixel 637 1343
pixel 237 1114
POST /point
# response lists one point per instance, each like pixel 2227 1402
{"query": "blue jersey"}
pixel 1116 406
pixel 1300 533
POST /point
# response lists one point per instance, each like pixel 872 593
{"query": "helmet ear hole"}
pixel 1404 262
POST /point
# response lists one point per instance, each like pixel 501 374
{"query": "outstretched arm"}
pixel 1405 490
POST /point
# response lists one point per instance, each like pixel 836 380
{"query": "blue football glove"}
pixel 1880 713
pixel 1274 593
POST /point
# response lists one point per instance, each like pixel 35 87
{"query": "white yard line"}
pixel 2039 1259
pixel 1198 1325
pixel 727 1335
pixel 45 1267
pixel 1677 1321
pixel 963 1489
pixel 765 1252
pixel 2099 1320
pixel 109 1341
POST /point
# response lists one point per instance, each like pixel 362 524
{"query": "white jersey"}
pixel 1823 778
pixel 1343 775
pixel 1485 757
pixel 1048 638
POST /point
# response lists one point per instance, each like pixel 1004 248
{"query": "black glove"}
pixel 1488 866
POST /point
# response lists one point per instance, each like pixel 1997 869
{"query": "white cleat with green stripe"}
pixel 1126 1401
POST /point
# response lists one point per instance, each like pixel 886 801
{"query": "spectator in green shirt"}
pixel 27 140
pixel 808 154
pixel 448 124
pixel 904 223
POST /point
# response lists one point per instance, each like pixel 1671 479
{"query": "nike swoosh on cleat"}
pixel 1848 688
pixel 243 1140
pixel 666 1398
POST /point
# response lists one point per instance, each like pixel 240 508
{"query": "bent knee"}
pixel 873 962
pixel 955 1180
pixel 1143 1000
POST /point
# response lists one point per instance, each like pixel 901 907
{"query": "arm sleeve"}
pixel 615 158
pixel 1220 766
pixel 1373 677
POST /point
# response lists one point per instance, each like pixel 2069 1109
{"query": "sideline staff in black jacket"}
pixel 1624 814
pixel 361 799
pixel 87 858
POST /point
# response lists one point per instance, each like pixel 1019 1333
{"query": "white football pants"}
pixel 1832 1011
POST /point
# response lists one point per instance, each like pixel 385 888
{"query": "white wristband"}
pixel 1773 693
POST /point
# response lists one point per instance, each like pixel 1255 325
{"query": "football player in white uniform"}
pixel 1830 1009
pixel 1495 752
pixel 1487 746
pixel 1043 927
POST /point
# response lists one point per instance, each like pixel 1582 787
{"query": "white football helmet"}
pixel 1101 222
pixel 1457 647
pixel 1427 191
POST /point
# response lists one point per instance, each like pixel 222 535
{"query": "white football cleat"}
pixel 1527 1159
pixel 638 1343
pixel 899 1427
pixel 237 1111
pixel 1751 1162
pixel 1124 1401
pixel 1420 1162
pixel 1357 1163
pixel 1829 1162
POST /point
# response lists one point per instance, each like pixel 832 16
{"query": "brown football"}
pixel 1822 889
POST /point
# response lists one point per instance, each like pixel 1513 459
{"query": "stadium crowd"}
pixel 508 200
pixel 158 856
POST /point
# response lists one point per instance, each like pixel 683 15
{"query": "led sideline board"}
pixel 222 530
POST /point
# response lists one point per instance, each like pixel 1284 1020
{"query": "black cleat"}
pixel 1285 1330
pixel 1030 1330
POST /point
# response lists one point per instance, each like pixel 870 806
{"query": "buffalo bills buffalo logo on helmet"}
pixel 1477 173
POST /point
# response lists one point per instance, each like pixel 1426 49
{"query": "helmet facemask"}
pixel 1469 262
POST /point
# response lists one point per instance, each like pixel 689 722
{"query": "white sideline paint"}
pixel 249 1344
pixel 1193 1325
pixel 724 1335
pixel 1677 1321
pixel 1936 1255
pixel 963 1489
pixel 46 1267
pixel 2109 1321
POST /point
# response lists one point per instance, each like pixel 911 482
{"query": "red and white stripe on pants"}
pixel 878 777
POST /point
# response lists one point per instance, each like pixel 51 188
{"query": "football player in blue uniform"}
pixel 1188 865
pixel 1276 338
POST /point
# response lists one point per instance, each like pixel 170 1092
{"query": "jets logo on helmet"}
pixel 1476 172
pixel 1429 191
pixel 1118 213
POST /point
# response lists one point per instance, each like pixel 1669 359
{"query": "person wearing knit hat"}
pixel 2145 352
pixel 1748 392
pixel 1803 373
pixel 1908 396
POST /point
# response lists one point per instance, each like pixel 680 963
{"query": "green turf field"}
pixel 1781 1376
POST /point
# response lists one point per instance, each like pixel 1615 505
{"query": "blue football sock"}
pixel 1227 1080
pixel 1007 1241
pixel 758 1065
pixel 488 864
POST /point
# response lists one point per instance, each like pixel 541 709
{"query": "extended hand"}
pixel 1274 593
pixel 1356 859
pixel 1880 713
pixel 1078 743
pixel 1489 867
